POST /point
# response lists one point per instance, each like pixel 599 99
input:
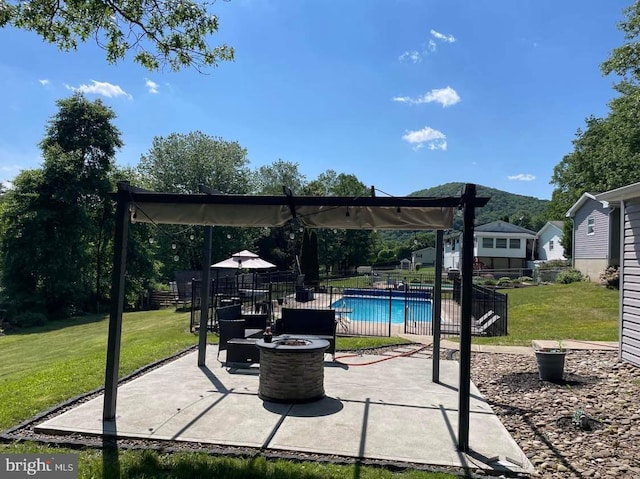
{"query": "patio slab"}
pixel 387 410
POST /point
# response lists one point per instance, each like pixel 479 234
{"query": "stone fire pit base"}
pixel 292 369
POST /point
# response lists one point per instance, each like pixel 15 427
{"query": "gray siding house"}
pixel 627 201
pixel 596 236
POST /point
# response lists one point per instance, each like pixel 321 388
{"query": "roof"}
pixel 557 224
pixel 578 204
pixel 504 227
pixel 620 194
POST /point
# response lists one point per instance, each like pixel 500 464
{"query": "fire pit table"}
pixel 292 369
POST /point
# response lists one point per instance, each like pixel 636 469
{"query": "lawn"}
pixel 44 366
pixel 584 311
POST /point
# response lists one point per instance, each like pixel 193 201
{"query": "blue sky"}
pixel 405 94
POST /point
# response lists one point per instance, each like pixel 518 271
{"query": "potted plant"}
pixel 550 362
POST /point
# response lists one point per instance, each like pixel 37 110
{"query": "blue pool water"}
pixel 377 309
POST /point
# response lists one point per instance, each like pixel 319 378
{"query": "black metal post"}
pixel 464 391
pixel 437 307
pixel 117 303
pixel 205 284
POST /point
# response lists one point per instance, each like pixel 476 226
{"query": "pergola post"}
pixel 464 388
pixel 117 303
pixel 437 307
pixel 205 283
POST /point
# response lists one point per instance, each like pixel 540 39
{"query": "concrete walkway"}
pixel 377 407
pixel 568 344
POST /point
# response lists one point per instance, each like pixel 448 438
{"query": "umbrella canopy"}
pixel 244 260
pixel 244 254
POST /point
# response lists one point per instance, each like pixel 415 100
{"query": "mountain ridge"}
pixel 527 210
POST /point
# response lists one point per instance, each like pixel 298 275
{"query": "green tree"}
pixel 56 218
pixel 160 34
pixel 625 60
pixel 179 163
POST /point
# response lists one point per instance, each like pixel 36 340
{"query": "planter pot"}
pixel 550 365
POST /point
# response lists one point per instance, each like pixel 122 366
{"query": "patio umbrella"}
pixel 244 260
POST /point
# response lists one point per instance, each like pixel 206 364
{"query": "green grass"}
pixel 584 311
pixel 151 464
pixel 42 367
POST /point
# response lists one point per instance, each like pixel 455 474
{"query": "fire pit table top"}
pixel 292 343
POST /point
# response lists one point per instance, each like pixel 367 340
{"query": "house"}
pixel 626 201
pixel 497 246
pixel 503 246
pixel 548 243
pixel 423 257
pixel 405 263
pixel 452 248
pixel 596 236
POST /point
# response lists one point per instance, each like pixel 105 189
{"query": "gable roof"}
pixel 578 204
pixel 503 227
pixel 555 224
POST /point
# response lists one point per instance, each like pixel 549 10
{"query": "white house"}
pixel 548 243
pixel 497 246
pixel 626 200
pixel 423 257
pixel 596 236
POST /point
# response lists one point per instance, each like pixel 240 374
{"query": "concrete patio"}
pixel 385 410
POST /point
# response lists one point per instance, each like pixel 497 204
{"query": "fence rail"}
pixel 377 304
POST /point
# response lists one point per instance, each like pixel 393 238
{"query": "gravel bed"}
pixel 538 414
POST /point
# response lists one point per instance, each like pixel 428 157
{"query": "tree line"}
pixel 57 221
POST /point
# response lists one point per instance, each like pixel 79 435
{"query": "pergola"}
pixel 210 209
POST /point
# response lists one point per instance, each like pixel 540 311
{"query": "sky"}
pixel 403 94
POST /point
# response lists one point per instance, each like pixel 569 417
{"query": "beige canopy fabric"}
pixel 340 213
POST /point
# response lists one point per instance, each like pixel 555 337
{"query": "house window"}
pixel 501 242
pixel 550 245
pixel 591 225
pixel 487 242
pixel 514 243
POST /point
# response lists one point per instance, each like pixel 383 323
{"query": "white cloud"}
pixel 43 82
pixel 427 137
pixel 101 88
pixel 410 56
pixel 445 96
pixel 442 36
pixel 431 46
pixel 522 177
pixel 152 87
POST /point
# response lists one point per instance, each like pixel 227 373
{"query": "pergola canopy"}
pixel 382 213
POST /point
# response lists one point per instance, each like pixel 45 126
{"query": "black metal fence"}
pixel 376 304
pixel 489 310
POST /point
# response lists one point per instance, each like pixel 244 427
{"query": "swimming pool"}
pixel 375 309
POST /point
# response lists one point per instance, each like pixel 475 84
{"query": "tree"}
pixel 56 218
pixel 625 60
pixel 160 34
pixel 179 163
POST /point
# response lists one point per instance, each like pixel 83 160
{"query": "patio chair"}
pixel 229 329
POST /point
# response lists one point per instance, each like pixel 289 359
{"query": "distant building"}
pixel 549 245
pixel 405 263
pixel 423 257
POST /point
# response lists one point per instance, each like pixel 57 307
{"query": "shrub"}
pixel 569 275
pixel 610 277
pixel 525 279
pixel 505 281
pixel 30 319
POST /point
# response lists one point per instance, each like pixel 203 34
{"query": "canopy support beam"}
pixel 117 303
pixel 205 284
pixel 437 307
pixel 464 388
